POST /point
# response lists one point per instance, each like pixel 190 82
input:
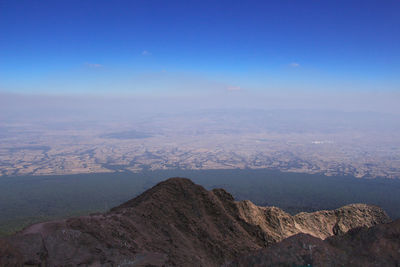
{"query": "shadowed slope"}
pixel 362 246
pixel 175 223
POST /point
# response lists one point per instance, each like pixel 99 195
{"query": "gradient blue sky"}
pixel 189 47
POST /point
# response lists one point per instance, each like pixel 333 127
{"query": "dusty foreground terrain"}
pixel 179 223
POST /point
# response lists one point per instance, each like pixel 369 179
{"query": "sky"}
pixel 197 48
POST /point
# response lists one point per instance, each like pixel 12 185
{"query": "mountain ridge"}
pixel 362 246
pixel 175 223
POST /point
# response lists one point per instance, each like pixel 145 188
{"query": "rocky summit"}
pixel 179 223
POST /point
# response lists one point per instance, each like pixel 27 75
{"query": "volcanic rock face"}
pixel 375 246
pixel 322 224
pixel 176 223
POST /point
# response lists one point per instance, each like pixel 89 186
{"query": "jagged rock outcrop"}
pixel 362 246
pixel 322 224
pixel 175 223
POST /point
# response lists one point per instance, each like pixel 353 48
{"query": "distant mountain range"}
pixel 179 223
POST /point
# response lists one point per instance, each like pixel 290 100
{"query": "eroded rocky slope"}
pixel 175 223
pixel 362 246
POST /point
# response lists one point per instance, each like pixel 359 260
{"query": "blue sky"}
pixel 192 47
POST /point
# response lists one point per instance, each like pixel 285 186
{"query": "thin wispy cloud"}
pixel 93 65
pixel 294 65
pixel 146 53
pixel 233 88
